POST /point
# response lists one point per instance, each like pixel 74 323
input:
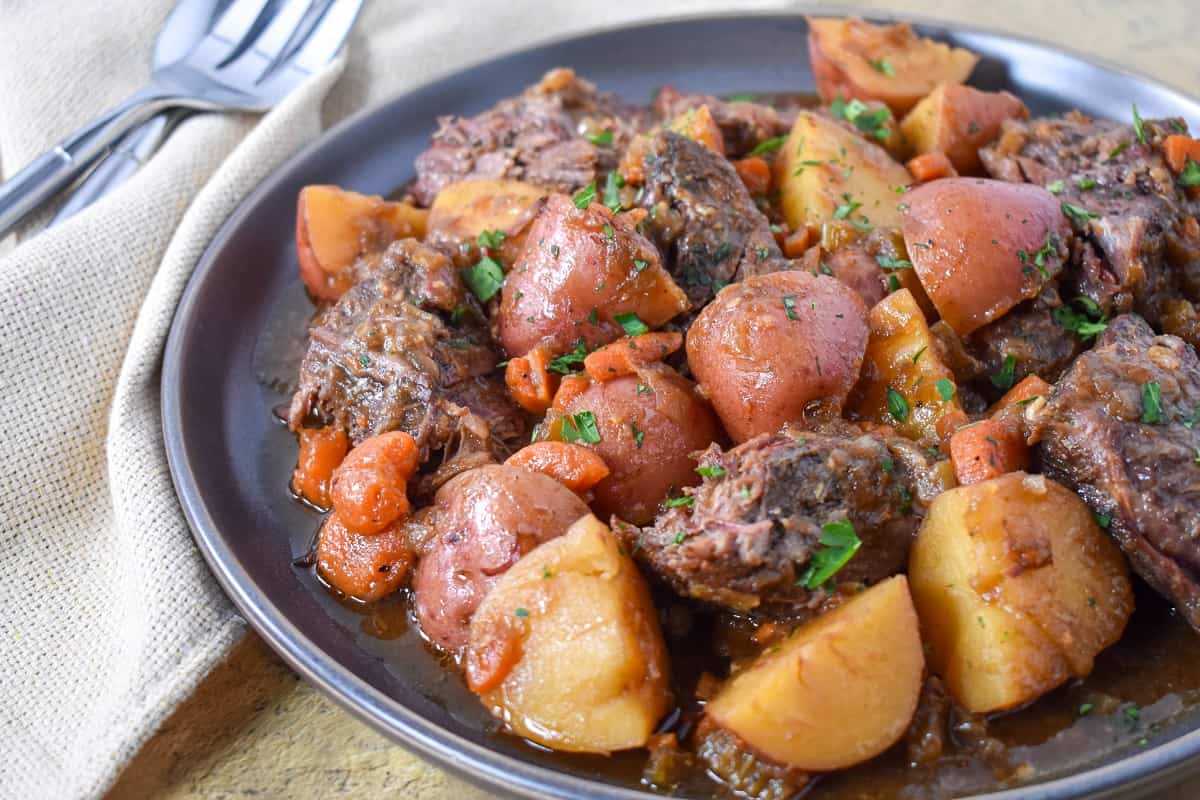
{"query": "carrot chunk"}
pixel 530 382
pixel 369 489
pixel 570 387
pixel 796 243
pixel 755 172
pixel 1179 149
pixel 574 466
pixel 987 449
pixel 321 452
pixel 930 167
pixel 1031 386
pixel 698 124
pixel 363 566
pixel 623 356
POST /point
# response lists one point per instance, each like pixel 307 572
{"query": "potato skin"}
pixel 973 243
pixel 958 120
pixel 483 521
pixel 838 691
pixel 568 648
pixel 762 368
pixel 572 279
pixel 1017 589
pixel 842 52
pixel 674 422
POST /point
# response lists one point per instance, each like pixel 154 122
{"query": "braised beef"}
pixel 752 529
pixel 1030 336
pixel 1134 457
pixel 1136 240
pixel 733 763
pixel 744 124
pixel 406 349
pixel 540 136
pixel 703 218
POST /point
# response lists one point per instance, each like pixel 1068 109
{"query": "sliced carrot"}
pixel 1030 387
pixel 570 387
pixel 488 665
pixel 576 467
pixel 930 167
pixel 755 172
pixel 633 163
pixel 797 242
pixel 321 452
pixel 363 566
pixel 987 449
pixel 698 124
pixel 1179 149
pixel 369 490
pixel 530 382
pixel 623 356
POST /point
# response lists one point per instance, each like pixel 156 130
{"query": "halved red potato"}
pixel 981 246
pixel 958 120
pixel 335 226
pixel 890 63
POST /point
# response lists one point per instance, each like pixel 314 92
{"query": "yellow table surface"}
pixel 254 728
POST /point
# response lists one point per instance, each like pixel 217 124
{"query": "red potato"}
pixel 982 246
pixel 334 227
pixel 778 348
pixel 578 270
pixel 483 521
pixel 364 566
pixel 661 408
pixel 889 63
pixel 958 120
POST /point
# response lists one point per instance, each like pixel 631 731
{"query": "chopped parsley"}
pixel 1193 419
pixel 897 406
pixel 638 435
pixel 743 97
pixel 1004 379
pixel 586 196
pixel 856 113
pixel 1085 323
pixel 491 239
pixel 1055 188
pixel 1138 127
pixel 789 306
pixel 847 208
pixel 1086 183
pixel 601 139
pixel 1103 520
pixel 680 536
pixel 680 502
pixel 1151 403
pixel 1116 151
pixel 632 325
pixel 1049 249
pixel 887 465
pixel 887 262
pixel 580 427
pixel 1086 709
pixel 710 472
pixel 612 191
pixel 521 612
pixel 768 146
pixel 1190 175
pixel 920 352
pixel 1077 214
pixel 569 362
pixel 485 278
pixel 643 389
pixel 608 232
pixel 883 67
pixel 593 316
pixel 839 543
pixel 640 264
pixel 945 388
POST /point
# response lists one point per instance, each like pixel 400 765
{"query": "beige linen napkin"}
pixel 108 615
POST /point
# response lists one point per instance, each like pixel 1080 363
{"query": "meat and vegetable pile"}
pixel 898 385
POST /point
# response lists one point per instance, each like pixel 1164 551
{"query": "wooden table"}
pixel 253 728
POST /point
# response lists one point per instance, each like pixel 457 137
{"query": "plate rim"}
pixel 1141 771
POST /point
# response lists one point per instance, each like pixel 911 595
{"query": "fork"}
pixel 232 68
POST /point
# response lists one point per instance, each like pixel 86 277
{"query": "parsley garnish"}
pixel 887 262
pixel 710 472
pixel 632 325
pixel 768 146
pixel 1151 403
pixel 1050 248
pixel 1055 188
pixel 857 113
pixel 569 362
pixel 1103 520
pixel 586 196
pixel 521 612
pixel 491 239
pixel 601 139
pixel 608 232
pixel 1078 215
pixel 789 306
pixel 897 406
pixel 640 264
pixel 839 544
pixel 1004 379
pixel 945 388
pixel 1138 127
pixel 680 502
pixel 888 465
pixel 612 191
pixel 1085 323
pixel 485 278
pixel 680 536
pixel 638 435
pixel 1190 175
pixel 1086 709
pixel 580 427
pixel 847 208
pixel 883 67
pixel 1086 183
pixel 920 352
pixel 743 97
pixel 643 389
pixel 1193 419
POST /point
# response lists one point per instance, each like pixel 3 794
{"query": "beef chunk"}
pixel 534 137
pixel 385 357
pixel 1135 254
pixel 703 218
pixel 751 530
pixel 1038 345
pixel 744 125
pixel 1142 475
